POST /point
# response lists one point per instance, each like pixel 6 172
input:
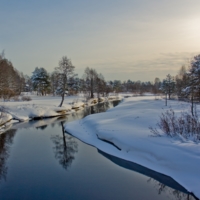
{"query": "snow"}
pixel 42 107
pixel 39 107
pixel 5 118
pixel 127 128
pixel 113 98
pixel 77 105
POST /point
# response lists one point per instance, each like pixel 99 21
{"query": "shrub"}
pixel 16 98
pixel 185 125
pixel 6 93
pixel 26 98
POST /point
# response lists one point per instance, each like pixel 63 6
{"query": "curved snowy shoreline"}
pixel 127 127
pixel 42 107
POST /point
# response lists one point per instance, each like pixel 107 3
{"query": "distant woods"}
pixel 12 82
pixel 63 81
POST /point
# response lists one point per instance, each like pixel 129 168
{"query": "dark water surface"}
pixel 39 161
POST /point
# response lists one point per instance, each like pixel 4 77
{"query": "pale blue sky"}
pixel 122 39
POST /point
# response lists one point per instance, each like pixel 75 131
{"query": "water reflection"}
pixel 64 148
pixel 178 195
pixel 162 183
pixel 42 127
pixel 6 140
pixel 100 107
pixel 38 124
pixel 83 112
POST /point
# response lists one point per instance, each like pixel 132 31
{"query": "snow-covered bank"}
pixel 127 128
pixel 4 119
pixel 37 108
pixel 41 107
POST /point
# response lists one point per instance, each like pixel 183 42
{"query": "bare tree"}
pixel 90 76
pixel 65 71
pixel 168 87
pixel 156 86
pixel 10 79
pixel 100 85
pixel 65 148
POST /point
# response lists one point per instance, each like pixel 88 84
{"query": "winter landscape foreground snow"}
pixel 124 132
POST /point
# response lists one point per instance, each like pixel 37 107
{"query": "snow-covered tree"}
pixel 54 82
pixel 40 80
pixel 194 76
pixel 193 87
pixel 168 85
pixel 28 84
pixel 182 81
pixel 65 72
pixel 74 83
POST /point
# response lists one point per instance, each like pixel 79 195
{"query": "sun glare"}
pixel 193 27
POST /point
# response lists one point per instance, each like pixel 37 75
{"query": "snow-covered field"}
pixel 127 128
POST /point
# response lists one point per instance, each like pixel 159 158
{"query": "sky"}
pixel 122 39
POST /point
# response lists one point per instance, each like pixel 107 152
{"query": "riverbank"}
pixel 42 107
pixel 124 132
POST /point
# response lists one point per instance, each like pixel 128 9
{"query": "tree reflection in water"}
pixel 65 147
pixel 162 183
pixel 98 108
pixel 42 127
pixel 6 140
pixel 176 194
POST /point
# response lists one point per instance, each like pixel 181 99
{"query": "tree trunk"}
pixel 64 141
pixel 192 106
pixel 62 100
pixel 92 85
pixel 169 93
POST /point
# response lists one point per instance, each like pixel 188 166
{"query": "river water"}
pixel 39 161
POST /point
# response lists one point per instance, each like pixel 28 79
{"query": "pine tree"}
pixel 192 89
pixel 40 80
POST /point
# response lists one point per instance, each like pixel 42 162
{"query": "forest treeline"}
pixel 63 80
